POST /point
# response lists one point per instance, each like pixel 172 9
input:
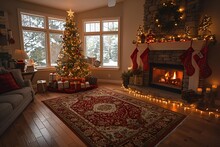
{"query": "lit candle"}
pixel 214 88
pixel 200 112
pixel 199 91
pixel 208 90
pixel 129 68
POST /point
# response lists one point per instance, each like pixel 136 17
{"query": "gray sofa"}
pixel 13 103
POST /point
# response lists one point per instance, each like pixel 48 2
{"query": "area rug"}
pixel 103 117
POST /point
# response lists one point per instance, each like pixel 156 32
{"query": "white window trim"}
pixel 46 30
pixel 101 44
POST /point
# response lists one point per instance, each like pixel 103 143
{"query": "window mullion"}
pixel 101 43
pixel 47 42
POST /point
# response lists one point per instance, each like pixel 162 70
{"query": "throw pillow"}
pixel 17 76
pixel 7 83
pixel 3 70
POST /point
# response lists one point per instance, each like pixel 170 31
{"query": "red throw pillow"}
pixel 7 83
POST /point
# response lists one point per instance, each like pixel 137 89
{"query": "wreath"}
pixel 168 17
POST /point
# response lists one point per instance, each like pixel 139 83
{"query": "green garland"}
pixel 168 17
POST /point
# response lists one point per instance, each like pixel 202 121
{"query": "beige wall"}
pixel 133 15
pixel 212 9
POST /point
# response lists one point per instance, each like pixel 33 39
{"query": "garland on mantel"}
pixel 169 26
pixel 204 34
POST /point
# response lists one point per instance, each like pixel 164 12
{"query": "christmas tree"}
pixel 71 62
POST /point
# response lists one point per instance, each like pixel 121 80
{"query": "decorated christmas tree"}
pixel 71 62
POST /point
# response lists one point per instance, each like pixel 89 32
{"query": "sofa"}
pixel 15 95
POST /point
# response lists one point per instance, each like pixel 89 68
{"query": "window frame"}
pixel 101 33
pixel 46 30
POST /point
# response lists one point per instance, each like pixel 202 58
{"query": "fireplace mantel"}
pixel 197 45
pixel 175 46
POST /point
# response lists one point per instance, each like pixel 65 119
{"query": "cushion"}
pixel 18 77
pixel 14 99
pixel 7 83
pixel 5 110
pixel 3 70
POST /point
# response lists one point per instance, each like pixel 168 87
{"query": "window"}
pixel 42 37
pixel 101 40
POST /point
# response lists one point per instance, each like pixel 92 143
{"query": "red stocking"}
pixel 144 58
pixel 201 60
pixel 186 59
pixel 134 59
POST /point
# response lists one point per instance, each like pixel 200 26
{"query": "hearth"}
pixel 166 76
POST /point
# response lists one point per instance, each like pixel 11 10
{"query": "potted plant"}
pixel 125 78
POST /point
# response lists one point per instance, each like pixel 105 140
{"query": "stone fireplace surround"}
pixel 168 53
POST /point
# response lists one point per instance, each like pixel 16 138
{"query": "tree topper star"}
pixel 70 13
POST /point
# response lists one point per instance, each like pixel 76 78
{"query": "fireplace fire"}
pixel 166 76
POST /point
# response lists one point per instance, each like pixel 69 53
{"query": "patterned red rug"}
pixel 102 117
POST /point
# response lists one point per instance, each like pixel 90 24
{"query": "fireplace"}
pixel 166 76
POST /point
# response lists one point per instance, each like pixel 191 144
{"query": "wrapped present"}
pixel 83 85
pixel 75 85
pixel 60 85
pixel 52 77
pixel 72 85
pixel 66 84
pixel 53 84
pixel 87 84
pixel 41 86
pixel 78 86
pixel 63 85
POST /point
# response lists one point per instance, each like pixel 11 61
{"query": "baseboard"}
pixel 110 81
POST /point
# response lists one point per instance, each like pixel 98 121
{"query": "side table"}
pixel 30 74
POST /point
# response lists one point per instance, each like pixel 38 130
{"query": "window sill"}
pixel 104 68
pixel 52 69
pixel 46 69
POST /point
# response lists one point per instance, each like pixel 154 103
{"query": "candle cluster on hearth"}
pixel 176 104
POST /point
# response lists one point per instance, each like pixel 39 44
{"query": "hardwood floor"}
pixel 38 126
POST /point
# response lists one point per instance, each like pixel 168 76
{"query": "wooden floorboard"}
pixel 38 126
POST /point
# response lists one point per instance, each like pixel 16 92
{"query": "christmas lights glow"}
pixel 71 63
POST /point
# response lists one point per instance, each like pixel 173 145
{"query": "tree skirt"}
pixel 102 117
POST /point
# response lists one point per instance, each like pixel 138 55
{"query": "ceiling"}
pixel 75 5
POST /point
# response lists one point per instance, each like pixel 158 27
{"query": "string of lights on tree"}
pixel 169 19
pixel 71 62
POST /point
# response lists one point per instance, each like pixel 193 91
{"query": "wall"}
pixel 212 9
pixel 132 17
